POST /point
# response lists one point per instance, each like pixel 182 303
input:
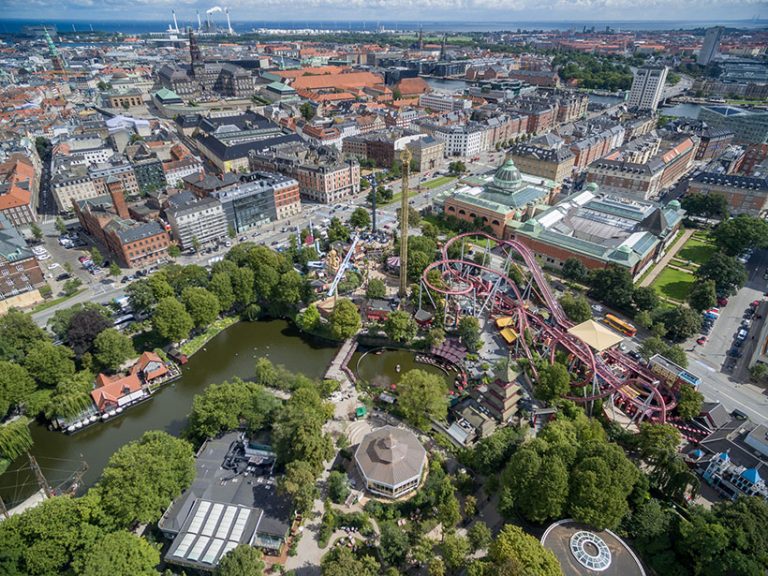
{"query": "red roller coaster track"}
pixel 641 393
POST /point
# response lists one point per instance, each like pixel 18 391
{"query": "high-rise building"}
pixel 647 87
pixel 711 44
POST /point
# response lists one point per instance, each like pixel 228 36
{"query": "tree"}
pixel 360 218
pixel 49 364
pixel 345 319
pixel 737 234
pixel 421 397
pixel 61 227
pixel 493 452
pixel 681 322
pixel 15 438
pixel 308 320
pixel 161 288
pixel 657 441
pixel 140 296
pixel 643 318
pixel 554 382
pixel 470 507
pixel 298 482
pixel 706 205
pixel 174 251
pixel 15 386
pixel 703 295
pixel 307 111
pixel 400 326
pixel 121 554
pixel 727 272
pixel 338 486
pixel 96 256
pixel 230 405
pixel 689 402
pixel 480 536
pixel 144 476
pixel 534 485
pixel 516 548
pixel 202 305
pixel 18 332
pixel 455 550
pixel 114 269
pixel 243 560
pixel 457 168
pixel 435 336
pixel 71 286
pixel 112 348
pixel 221 287
pixel 171 321
pixel 469 332
pixel 341 561
pixel 447 505
pixel 436 567
pixel 393 544
pixel 613 285
pixel 243 286
pixel 758 372
pixel 84 326
pixel 645 298
pixel 37 232
pixel 376 288
pixel 574 269
pixel 576 307
pixel 297 433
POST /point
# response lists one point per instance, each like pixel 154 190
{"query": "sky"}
pixel 394 10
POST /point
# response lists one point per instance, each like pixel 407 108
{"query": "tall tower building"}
pixel 56 58
pixel 196 57
pixel 647 87
pixel 711 45
pixel 405 159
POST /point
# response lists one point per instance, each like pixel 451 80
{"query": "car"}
pixel 739 415
pixel 755 303
pixel 722 301
pixel 228 244
pixel 634 354
pixel 54 266
pixel 701 340
pixel 62 277
pixel 742 334
pixel 746 323
pixel 38 249
pixel 45 256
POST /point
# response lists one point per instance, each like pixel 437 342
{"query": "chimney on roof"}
pixel 117 193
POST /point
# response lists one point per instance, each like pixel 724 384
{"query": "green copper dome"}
pixel 508 177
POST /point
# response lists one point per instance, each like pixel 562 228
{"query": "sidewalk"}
pixel 666 259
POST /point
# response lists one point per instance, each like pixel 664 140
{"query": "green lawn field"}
pixel 674 284
pixel 696 250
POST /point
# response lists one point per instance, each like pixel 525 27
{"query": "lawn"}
pixel 696 250
pixel 674 284
pixel 437 182
pixel 49 303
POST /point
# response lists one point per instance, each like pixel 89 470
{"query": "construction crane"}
pixel 343 267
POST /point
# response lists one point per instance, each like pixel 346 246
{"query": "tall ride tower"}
pixel 405 160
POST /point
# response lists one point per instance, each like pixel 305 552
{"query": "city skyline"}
pixel 479 11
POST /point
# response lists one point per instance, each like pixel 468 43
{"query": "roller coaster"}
pixel 479 289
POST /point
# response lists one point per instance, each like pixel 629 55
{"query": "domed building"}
pixel 494 201
pixel 391 461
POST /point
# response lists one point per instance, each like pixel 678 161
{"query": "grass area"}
pixel 191 346
pixel 437 182
pixel 674 284
pixel 684 264
pixel 50 303
pixel 397 197
pixel 696 250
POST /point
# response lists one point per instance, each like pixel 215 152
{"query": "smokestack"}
pixel 175 23
pixel 199 22
pixel 229 24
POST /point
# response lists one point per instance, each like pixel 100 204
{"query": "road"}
pixel 685 84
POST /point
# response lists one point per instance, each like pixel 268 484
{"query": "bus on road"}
pixel 618 324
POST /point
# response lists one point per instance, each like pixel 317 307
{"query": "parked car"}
pixel 722 301
pixel 701 340
pixel 62 277
pixel 739 415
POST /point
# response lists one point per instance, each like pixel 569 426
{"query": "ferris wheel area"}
pixel 492 285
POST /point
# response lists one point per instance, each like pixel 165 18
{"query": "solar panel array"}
pixel 214 530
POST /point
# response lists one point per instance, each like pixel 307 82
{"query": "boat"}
pixel 78 425
pixel 71 428
pixel 119 409
pixel 112 412
pixel 93 419
pixel 104 416
pixel 397 368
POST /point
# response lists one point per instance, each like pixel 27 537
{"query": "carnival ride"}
pixel 479 289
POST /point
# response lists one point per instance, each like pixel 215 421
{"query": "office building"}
pixel 710 46
pixel 647 87
pixel 19 270
pixel 259 198
pixel 19 184
pixel 195 220
pixel 745 194
pixel 748 127
pixel 551 163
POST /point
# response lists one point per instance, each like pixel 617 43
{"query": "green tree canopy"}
pixel 221 287
pixel 338 486
pixel 341 561
pixel 376 288
pixel 243 560
pixel 345 319
pixel 394 544
pixel 737 234
pixel 360 218
pixel 308 320
pixel 689 402
pixel 681 322
pixel 469 332
pixel 703 295
pixel 171 320
pixel 15 386
pixel 144 476
pixel 112 348
pixel 726 271
pixel 18 333
pixel 554 382
pixel 49 364
pixel 202 305
pixel 645 298
pixel 515 549
pixel 120 554
pixel 422 396
pixel 298 482
pixel 400 326
pixel 613 285
pixel 573 269
pixel 576 307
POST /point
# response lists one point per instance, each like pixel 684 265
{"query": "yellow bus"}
pixel 618 324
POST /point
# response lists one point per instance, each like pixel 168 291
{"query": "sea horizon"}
pixel 15 25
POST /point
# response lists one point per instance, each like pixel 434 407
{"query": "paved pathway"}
pixel 671 253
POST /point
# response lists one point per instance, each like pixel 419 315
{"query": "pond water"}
pixel 380 370
pixel 231 353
